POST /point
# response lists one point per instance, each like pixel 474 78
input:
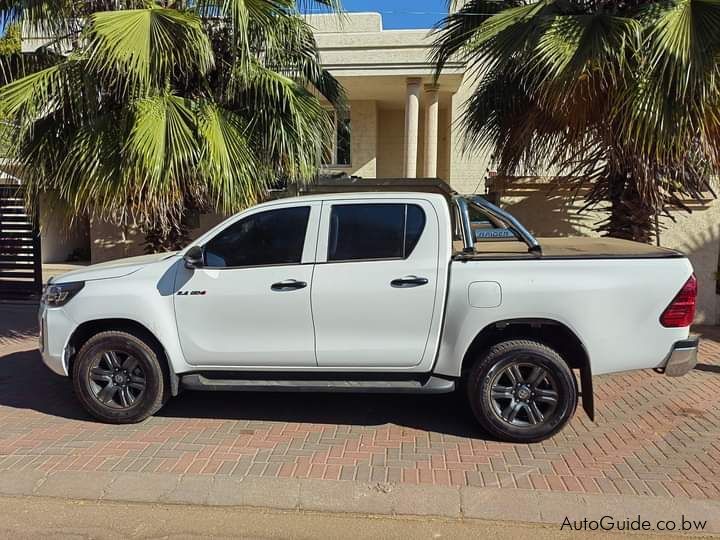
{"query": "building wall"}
pixel 108 241
pixel 391 131
pixel 546 208
pixel 363 140
pixel 468 167
pixel 60 237
pixel 444 157
pixel 378 141
pixel 391 137
pixel 355 22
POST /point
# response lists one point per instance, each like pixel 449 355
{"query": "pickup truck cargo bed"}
pixel 565 248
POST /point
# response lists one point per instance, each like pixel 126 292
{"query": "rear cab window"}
pixel 374 231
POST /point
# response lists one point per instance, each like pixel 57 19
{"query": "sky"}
pixel 395 13
pixel 402 13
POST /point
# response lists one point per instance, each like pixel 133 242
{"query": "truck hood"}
pixel 112 269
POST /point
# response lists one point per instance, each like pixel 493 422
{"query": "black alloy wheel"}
pixel 522 391
pixel 118 378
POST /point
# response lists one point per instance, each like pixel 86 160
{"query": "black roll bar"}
pixel 461 202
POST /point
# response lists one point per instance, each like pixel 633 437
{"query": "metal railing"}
pixel 499 214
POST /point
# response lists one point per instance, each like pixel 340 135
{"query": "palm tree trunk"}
pixel 631 217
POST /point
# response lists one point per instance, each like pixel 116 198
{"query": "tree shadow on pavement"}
pixel 445 413
pixel 18 322
pixel 25 383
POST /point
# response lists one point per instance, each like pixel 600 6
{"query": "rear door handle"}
pixel 408 281
pixel 288 285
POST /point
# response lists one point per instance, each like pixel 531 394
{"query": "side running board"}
pixel 434 385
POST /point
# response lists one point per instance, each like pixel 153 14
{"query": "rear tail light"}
pixel 681 310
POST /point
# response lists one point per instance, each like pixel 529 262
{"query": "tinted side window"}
pixel 272 237
pixel 374 231
pixel 415 223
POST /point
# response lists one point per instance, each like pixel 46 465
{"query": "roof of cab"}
pixel 357 195
pixel 333 188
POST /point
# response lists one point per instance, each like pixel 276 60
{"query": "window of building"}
pixel 339 153
pixel 266 238
pixel 374 231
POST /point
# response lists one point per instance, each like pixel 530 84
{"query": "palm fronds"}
pixel 162 107
pixel 620 96
pixel 147 47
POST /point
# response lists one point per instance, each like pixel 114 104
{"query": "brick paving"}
pixel 653 435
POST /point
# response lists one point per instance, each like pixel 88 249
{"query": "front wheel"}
pixel 118 379
pixel 522 391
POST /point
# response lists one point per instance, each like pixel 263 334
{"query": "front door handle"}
pixel 288 285
pixel 408 281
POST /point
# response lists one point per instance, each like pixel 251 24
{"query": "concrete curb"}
pixel 343 496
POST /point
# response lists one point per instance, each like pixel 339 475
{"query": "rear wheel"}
pixel 522 391
pixel 118 379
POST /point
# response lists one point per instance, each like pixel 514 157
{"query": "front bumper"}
pixel 55 331
pixel 682 358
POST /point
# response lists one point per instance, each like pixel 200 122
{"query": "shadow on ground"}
pixel 712 368
pixel 17 324
pixel 445 413
pixel 25 383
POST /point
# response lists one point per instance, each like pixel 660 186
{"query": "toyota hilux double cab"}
pixel 403 292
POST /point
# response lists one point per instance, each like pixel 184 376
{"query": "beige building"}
pixel 403 124
pixel 401 121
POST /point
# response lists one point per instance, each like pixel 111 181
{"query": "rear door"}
pixel 374 284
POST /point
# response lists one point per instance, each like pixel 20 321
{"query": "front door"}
pixel 375 280
pixel 249 305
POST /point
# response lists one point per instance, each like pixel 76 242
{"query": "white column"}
pixel 431 131
pixel 412 113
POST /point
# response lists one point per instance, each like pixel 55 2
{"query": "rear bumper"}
pixel 682 358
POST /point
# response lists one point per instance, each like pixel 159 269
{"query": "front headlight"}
pixel 59 294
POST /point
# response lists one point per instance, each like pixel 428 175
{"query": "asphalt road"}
pixel 34 517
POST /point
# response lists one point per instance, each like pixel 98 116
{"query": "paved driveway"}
pixel 653 435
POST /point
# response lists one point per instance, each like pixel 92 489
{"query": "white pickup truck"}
pixel 411 292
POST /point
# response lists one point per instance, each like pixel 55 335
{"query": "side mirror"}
pixel 193 257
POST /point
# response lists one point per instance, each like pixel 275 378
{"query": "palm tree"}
pixel 137 110
pixel 621 95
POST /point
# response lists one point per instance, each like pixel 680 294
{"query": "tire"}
pixel 529 404
pixel 118 379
